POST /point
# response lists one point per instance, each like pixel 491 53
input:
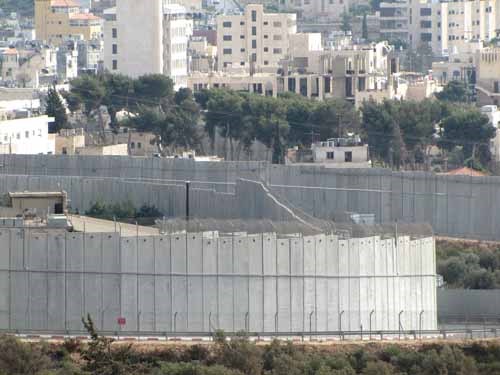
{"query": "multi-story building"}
pixel 320 10
pixel 254 41
pixel 147 37
pixel 394 20
pixel 446 26
pixel 354 73
pixel 203 56
pixel 488 76
pixel 25 134
pixel 90 55
pixel 57 20
pixel 10 64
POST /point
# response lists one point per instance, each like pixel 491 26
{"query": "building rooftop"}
pixel 83 16
pixel 37 194
pixel 465 171
pixel 10 51
pixel 64 4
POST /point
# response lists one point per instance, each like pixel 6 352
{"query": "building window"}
pixel 254 57
pixel 277 51
pixel 115 65
pixel 242 50
pixel 266 36
pixel 348 156
pixel 27 134
pixel 242 36
pixel 18 135
pixel 227 38
pixel 425 12
pixel 254 43
pixel 254 16
pixel 276 37
pixel 425 24
pixel 115 49
pixel 266 23
pixel 426 37
pixel 139 145
pixel 242 23
pixel 496 87
pixel 227 24
pixel 242 63
pixel 254 30
pixel 266 49
pixel 277 24
pixel 132 145
pixel 114 33
pixel 266 62
pixel 227 51
pixel 64 151
pixel 330 155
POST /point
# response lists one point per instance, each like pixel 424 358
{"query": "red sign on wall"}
pixel 121 321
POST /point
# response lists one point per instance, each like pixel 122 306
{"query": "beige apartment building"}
pixel 488 76
pixel 56 20
pixel 254 41
pixel 355 73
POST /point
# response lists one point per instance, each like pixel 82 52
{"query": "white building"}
pixel 334 153
pixel 493 114
pixel 147 37
pixel 254 40
pixel 28 136
pixel 447 26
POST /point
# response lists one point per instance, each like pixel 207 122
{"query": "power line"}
pixel 305 125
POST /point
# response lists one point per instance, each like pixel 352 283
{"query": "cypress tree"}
pixel 55 108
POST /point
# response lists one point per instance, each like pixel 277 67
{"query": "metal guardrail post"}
pixel 276 322
pixel 175 321
pixel 340 325
pixel 210 322
pixel 400 326
pixel 247 323
pixel 310 325
pixel 420 323
pixel 371 313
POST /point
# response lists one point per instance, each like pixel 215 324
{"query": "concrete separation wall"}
pixel 188 283
pixel 458 206
pixel 459 305
pixel 250 199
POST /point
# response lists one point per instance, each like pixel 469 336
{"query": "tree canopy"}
pixel 56 109
pixel 454 91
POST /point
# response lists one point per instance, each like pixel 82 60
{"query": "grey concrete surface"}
pixel 465 305
pixel 188 283
pixel 459 206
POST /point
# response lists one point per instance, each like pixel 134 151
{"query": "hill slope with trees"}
pixel 23 7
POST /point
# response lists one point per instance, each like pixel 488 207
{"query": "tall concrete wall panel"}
pixel 187 283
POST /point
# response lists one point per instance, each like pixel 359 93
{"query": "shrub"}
pixel 17 358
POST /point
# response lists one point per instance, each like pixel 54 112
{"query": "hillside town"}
pixel 345 61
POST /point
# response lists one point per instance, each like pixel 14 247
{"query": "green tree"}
pixel 153 89
pixel 364 28
pixel 224 115
pixel 383 133
pixel 118 89
pixel 345 19
pixel 470 130
pixel 91 93
pixel 56 109
pixel 480 279
pixel 454 91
